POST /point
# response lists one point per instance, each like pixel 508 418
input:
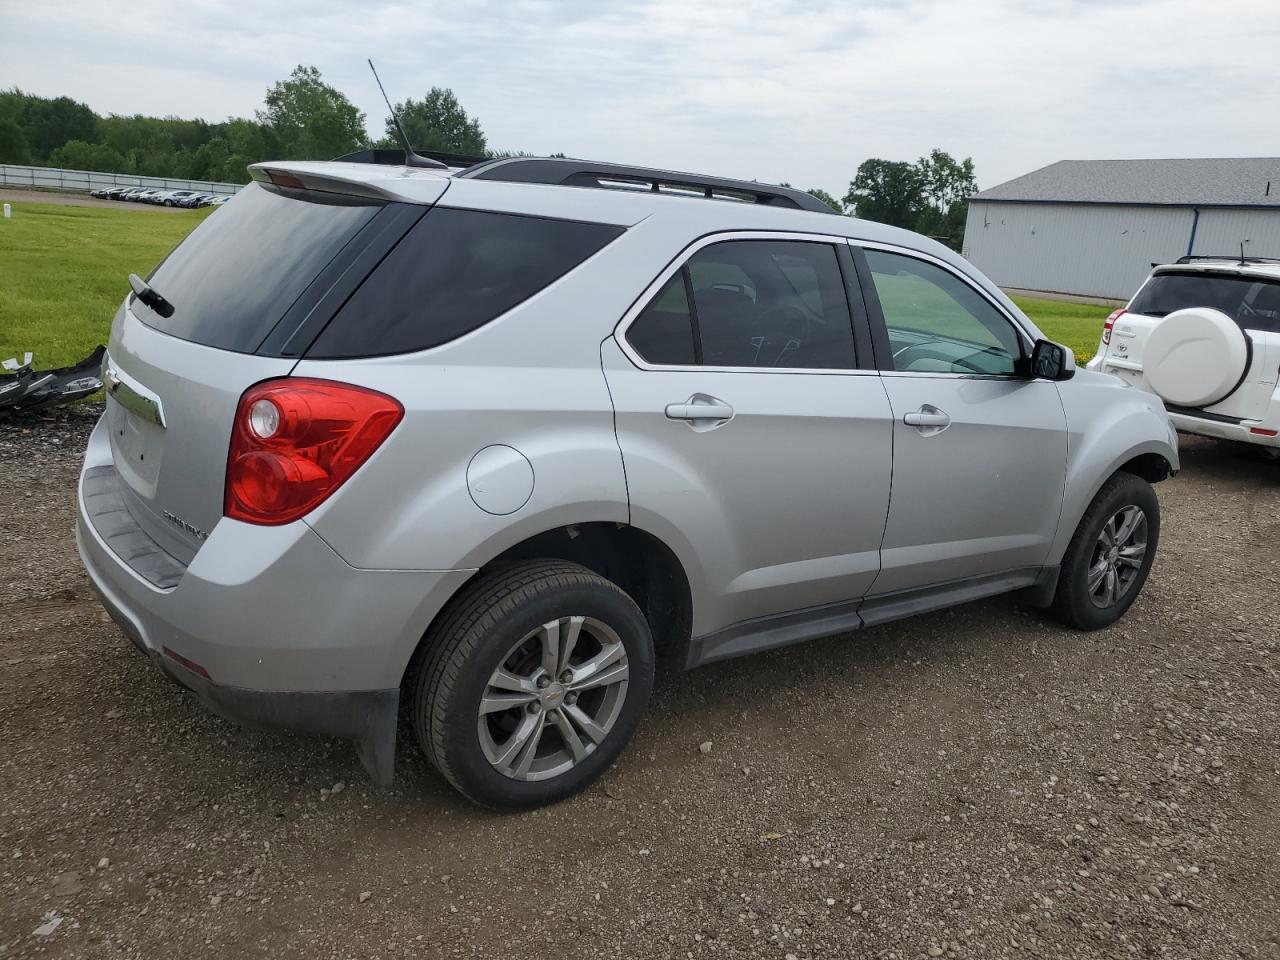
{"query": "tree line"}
pixel 301 118
pixel 304 118
pixel 930 196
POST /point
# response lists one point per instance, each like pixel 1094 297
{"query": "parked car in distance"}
pixel 170 198
pixel 124 193
pixel 1204 335
pixel 492 443
pixel 195 200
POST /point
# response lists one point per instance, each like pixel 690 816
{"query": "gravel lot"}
pixel 976 783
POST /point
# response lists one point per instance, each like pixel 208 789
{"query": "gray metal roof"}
pixel 1202 182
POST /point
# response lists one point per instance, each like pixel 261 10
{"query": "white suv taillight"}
pixel 296 440
pixel 1111 322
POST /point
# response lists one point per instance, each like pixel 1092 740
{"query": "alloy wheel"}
pixel 1118 556
pixel 553 699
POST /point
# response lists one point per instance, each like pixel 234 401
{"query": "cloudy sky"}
pixel 765 89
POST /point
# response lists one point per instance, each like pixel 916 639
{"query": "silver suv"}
pixel 487 442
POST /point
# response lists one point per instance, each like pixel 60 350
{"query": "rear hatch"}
pixel 1252 301
pixel 241 296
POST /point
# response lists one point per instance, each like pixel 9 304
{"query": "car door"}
pixel 979 449
pixel 755 442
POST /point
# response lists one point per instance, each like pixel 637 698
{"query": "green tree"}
pixel 312 120
pixel 948 185
pixel 946 180
pixel 888 191
pixel 48 124
pixel 78 155
pixel 437 122
pixel 13 143
pixel 826 198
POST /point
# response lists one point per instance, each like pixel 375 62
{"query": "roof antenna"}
pixel 411 159
pixel 1242 253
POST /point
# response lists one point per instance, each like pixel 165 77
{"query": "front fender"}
pixel 1108 424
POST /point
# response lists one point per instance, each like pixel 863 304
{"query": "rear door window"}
pixel 238 272
pixel 777 304
pixel 454 272
pixel 663 332
pixel 1253 304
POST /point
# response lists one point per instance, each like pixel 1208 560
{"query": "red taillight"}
pixel 1264 432
pixel 1111 322
pixel 295 441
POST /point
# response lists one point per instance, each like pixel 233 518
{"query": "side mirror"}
pixel 1052 361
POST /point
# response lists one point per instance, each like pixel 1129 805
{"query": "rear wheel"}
pixel 1110 554
pixel 535 681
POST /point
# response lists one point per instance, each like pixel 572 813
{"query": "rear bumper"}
pixel 1225 430
pixel 271 627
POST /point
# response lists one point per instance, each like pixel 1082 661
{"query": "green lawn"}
pixel 1077 325
pixel 64 271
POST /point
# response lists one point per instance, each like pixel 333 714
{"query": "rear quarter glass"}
pixel 237 273
pixel 453 272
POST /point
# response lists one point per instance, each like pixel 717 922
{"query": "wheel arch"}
pixel 642 564
pixel 1152 460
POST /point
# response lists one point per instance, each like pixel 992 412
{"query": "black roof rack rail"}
pixel 616 176
pixel 395 158
pixel 1228 257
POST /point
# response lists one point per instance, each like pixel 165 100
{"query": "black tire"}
pixel 1073 602
pixel 475 635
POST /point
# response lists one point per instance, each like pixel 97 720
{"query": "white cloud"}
pixel 797 91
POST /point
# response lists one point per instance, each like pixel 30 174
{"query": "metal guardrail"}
pixel 17 175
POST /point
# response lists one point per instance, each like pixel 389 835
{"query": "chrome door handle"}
pixel 699 407
pixel 928 420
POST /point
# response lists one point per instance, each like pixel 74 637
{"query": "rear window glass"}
pixel 454 272
pixel 1253 304
pixel 238 272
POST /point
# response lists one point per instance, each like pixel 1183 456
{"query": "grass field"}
pixel 1076 325
pixel 64 271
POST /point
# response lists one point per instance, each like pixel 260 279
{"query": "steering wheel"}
pixel 777 331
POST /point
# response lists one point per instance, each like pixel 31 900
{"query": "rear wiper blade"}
pixel 150 296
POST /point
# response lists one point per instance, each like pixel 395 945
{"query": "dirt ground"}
pixel 975 783
pixel 69 199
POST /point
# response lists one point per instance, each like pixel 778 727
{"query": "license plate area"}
pixel 137 445
pixel 1133 377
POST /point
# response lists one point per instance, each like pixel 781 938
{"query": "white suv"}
pixel 1204 334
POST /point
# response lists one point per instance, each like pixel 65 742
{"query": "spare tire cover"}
pixel 1195 357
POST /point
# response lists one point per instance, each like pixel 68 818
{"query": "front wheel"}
pixel 535 680
pixel 1110 554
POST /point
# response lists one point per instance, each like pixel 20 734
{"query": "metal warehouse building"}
pixel 1095 226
